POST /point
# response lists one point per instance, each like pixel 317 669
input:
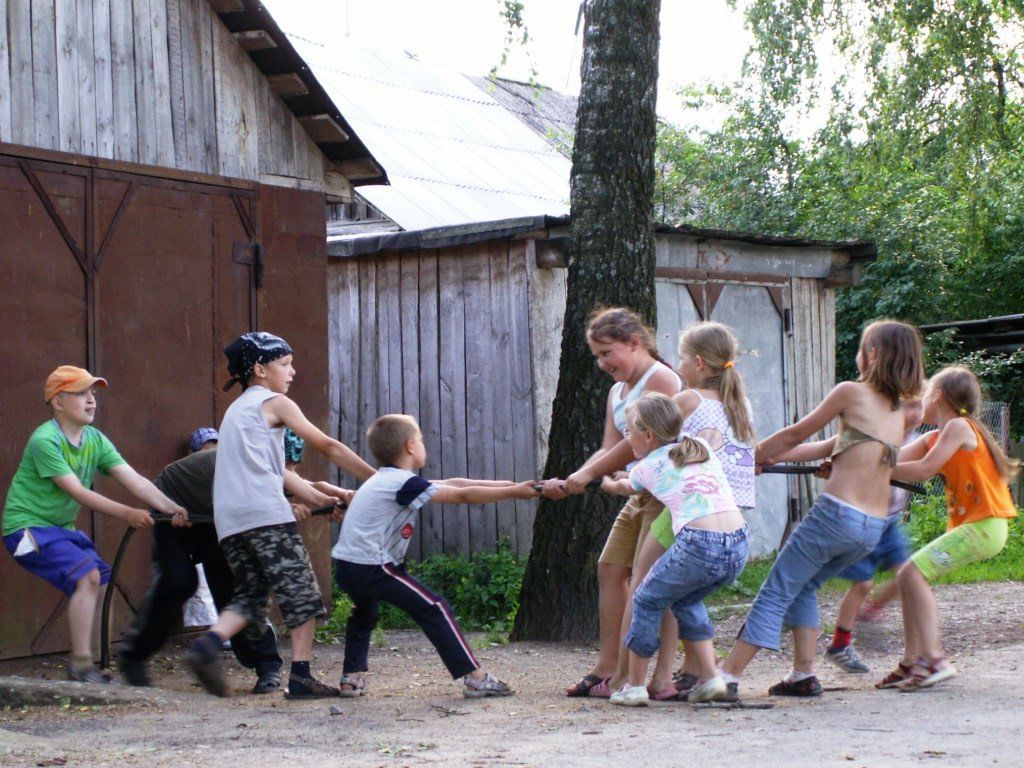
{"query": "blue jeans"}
pixel 697 563
pixel 833 536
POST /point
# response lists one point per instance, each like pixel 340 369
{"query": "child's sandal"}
pixel 356 687
pixel 926 674
pixel 583 686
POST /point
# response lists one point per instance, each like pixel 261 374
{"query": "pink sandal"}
pixel 668 694
pixel 601 690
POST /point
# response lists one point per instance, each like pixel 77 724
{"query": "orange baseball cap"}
pixel 68 378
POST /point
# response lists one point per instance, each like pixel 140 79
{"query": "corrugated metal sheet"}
pixel 454 155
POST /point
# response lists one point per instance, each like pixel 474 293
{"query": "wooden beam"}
pixel 227 6
pixel 287 85
pixel 323 128
pixel 364 168
pixel 255 40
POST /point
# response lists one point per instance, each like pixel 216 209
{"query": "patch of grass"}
pixel 483 593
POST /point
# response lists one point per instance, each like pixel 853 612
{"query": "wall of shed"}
pixel 442 335
pixel 406 331
pixel 158 82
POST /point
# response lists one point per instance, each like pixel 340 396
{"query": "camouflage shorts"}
pixel 272 560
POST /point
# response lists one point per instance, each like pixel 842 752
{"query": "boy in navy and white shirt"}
pixel 369 555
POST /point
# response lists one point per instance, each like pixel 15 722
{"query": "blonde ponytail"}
pixel 688 451
pixel 961 390
pixel 717 346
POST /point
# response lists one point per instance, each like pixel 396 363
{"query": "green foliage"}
pixel 483 594
pixel 920 151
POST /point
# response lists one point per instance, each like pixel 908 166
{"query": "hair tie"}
pixel 729 364
pixel 963 411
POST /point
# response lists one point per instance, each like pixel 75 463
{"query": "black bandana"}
pixel 249 349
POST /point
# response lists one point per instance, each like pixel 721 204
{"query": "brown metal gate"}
pixel 141 279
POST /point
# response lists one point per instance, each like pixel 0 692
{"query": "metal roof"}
pixel 548 113
pixel 453 154
pixel 344 244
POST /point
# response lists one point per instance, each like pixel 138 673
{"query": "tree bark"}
pixel 611 263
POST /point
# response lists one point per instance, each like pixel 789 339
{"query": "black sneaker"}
pixel 732 693
pixel 268 681
pixel 134 671
pixel 202 658
pixel 806 688
pixel 308 688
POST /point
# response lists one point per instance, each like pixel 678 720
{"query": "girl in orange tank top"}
pixel 976 473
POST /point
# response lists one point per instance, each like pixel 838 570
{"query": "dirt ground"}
pixel 415 716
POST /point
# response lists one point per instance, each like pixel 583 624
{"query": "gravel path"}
pixel 414 715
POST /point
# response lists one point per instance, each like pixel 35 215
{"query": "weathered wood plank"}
pixel 393 307
pixel 69 128
pixel 122 67
pixel 381 349
pixel 161 83
pixel 19 38
pixel 264 144
pixel 176 82
pixel 5 76
pixel 344 353
pixel 547 313
pixel 522 389
pixel 480 375
pixel 501 387
pixel 196 20
pixel 103 83
pixel 236 107
pixel 432 516
pixel 87 64
pixel 44 75
pixel 145 82
pixel 452 354
pixel 366 365
pixel 409 289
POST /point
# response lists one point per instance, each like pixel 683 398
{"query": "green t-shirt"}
pixel 34 500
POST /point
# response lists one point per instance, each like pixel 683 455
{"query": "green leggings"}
pixel 965 544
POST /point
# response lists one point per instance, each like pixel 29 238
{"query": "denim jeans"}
pixel 833 536
pixel 697 563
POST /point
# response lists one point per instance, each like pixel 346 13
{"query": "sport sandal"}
pixel 926 674
pixel 487 686
pixel 894 678
pixel 806 688
pixel 356 687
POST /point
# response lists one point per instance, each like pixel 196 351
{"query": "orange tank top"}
pixel 974 489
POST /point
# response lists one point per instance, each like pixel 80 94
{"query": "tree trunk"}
pixel 611 263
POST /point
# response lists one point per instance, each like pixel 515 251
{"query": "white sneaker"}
pixel 631 696
pixel 712 689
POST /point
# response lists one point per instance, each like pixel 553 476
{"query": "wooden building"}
pixel 164 166
pixel 462 326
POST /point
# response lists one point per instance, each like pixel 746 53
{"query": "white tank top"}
pixel 248 482
pixel 710 421
pixel 619 402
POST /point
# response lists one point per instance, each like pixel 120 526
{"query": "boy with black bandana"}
pixel 255 523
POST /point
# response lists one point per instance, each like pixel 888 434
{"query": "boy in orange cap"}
pixel 52 481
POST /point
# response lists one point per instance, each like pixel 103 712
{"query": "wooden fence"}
pixel 442 335
pixel 1016 451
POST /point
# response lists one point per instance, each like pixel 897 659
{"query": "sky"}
pixel 701 40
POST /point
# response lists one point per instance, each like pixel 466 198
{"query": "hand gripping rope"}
pixel 159 518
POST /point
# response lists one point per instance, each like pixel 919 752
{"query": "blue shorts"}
pixel 60 557
pixel 893 550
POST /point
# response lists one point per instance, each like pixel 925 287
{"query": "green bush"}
pixel 483 593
